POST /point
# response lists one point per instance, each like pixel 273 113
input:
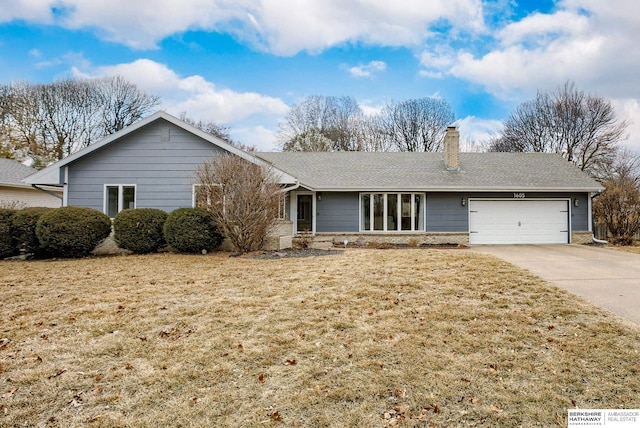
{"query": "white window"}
pixel 390 212
pixel 118 197
pixel 205 195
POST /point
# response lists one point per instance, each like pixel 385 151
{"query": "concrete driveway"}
pixel 605 277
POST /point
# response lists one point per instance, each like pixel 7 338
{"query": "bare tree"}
pixel 372 136
pixel 334 118
pixel 618 208
pixel 122 103
pixel 47 122
pixel 244 198
pixel 581 127
pixel 210 127
pixel 70 116
pixel 417 125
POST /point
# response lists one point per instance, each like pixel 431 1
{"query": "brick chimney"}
pixel 452 149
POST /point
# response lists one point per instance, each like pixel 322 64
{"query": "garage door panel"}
pixel 518 221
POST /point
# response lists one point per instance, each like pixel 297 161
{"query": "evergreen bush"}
pixel 140 230
pixel 192 230
pixel 7 247
pixel 24 230
pixel 72 231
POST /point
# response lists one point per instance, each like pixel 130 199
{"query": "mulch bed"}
pixel 293 253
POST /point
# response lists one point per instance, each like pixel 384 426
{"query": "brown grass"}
pixel 635 248
pixel 368 338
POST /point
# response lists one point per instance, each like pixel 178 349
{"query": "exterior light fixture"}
pixel 319 196
pixel 576 202
pixel 463 202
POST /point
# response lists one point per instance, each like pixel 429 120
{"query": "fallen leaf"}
pixel 129 367
pixel 276 416
pixel 291 362
pixel 495 408
pixel 261 378
pixel 58 373
pixel 98 377
pixel 10 393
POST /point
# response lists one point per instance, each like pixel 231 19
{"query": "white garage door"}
pixel 521 221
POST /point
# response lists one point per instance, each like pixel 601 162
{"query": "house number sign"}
pixel 519 195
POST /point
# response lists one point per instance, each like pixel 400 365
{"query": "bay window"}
pixel 390 212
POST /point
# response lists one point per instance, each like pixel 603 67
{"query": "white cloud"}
pixel 587 41
pixel 368 70
pixel 370 108
pixel 629 109
pixel 283 27
pixel 262 138
pixel 475 132
pixel 200 98
pixel 31 10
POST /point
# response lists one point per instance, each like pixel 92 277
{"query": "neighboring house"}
pixel 14 193
pixel 466 198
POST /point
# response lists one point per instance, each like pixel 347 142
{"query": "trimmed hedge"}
pixel 72 231
pixel 7 247
pixel 140 230
pixel 192 230
pixel 24 230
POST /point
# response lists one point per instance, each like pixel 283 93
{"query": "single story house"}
pixel 398 197
pixel 14 193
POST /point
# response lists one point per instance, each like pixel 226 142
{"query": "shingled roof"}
pixel 12 173
pixel 344 171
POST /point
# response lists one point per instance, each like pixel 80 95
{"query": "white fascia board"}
pixel 48 176
pixel 455 189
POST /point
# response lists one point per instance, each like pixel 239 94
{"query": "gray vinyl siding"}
pixel 161 171
pixel 337 212
pixel 445 213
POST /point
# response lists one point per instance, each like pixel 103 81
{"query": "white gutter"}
pixel 287 189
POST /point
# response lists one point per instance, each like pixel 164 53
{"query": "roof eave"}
pixel 455 189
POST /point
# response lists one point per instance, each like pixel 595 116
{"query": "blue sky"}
pixel 243 63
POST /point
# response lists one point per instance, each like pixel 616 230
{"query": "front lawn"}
pixel 366 338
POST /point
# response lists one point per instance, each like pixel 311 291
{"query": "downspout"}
pixel 35 186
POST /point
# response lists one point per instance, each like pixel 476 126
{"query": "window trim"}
pixel 414 214
pixel 105 196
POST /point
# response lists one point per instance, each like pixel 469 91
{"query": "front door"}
pixel 305 214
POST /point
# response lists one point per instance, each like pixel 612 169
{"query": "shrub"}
pixel 7 247
pixel 192 230
pixel 72 231
pixel 140 230
pixel 24 230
